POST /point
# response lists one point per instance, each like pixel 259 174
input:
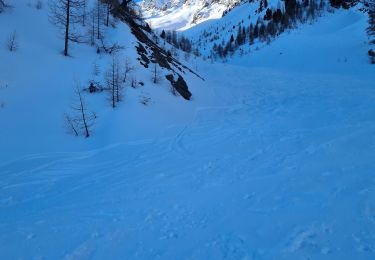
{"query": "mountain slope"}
pixel 183 14
pixel 250 25
pixel 36 87
pixel 272 159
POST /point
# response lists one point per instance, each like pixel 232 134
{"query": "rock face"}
pixel 180 86
pixel 150 53
pixel 186 13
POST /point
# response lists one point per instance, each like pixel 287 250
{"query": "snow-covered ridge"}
pixel 183 14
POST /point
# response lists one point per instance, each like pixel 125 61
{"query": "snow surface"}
pixel 272 159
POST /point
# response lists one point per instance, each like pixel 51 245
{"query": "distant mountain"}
pixel 183 14
pixel 220 29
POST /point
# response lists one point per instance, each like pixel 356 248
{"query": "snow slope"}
pixel 40 89
pixel 273 159
pixel 218 29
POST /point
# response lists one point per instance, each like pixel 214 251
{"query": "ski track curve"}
pixel 274 171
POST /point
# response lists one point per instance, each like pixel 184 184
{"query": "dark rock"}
pixel 371 53
pixel 180 86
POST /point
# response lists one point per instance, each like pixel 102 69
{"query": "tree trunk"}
pixel 67 28
pixel 113 85
pixel 98 20
pixel 87 133
pixel 155 74
pixel 108 10
pixel 84 13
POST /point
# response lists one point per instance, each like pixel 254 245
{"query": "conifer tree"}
pixel 251 34
pixel 371 31
pixel 371 22
pixel 162 35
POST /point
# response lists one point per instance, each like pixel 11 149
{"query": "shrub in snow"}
pixel 128 68
pixel 371 53
pixel 12 43
pixel 39 4
pixel 134 82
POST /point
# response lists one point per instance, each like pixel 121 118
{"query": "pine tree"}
pixel 251 34
pixel 321 5
pixel 285 21
pixel 261 6
pixel 256 31
pixel 262 31
pixel 174 38
pixel 239 39
pixel 290 7
pixel 125 3
pixel 168 37
pixel 162 35
pixel 371 31
pixel 271 29
pixel 277 16
pixel 268 15
pixel 336 3
pixel 371 22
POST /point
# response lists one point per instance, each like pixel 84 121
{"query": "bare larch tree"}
pixel 114 82
pixel 156 76
pixel 127 69
pixel 65 14
pixel 84 12
pixel 80 120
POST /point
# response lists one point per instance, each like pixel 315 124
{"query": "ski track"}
pixel 283 163
pixel 281 166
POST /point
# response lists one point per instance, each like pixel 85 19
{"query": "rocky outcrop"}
pixel 150 52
